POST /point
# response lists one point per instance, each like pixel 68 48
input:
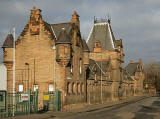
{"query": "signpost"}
pixel 23 97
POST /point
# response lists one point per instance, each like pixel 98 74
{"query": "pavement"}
pixel 91 109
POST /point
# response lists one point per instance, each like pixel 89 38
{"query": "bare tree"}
pixel 152 75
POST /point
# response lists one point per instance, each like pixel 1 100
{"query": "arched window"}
pixel 78 88
pixel 69 88
pixel 80 66
pixel 74 91
pixel 82 88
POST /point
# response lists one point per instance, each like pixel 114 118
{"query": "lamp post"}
pixel 54 60
pixel 27 64
pixel 101 82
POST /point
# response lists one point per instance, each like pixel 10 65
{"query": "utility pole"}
pixel 14 37
pixel 54 60
pixel 101 81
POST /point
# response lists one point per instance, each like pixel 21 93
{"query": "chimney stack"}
pixel 75 19
pixel 140 61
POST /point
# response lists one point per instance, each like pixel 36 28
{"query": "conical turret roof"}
pixel 8 43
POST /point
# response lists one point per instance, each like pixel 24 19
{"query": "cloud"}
pixel 135 21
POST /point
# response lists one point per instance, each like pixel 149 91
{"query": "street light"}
pixel 27 64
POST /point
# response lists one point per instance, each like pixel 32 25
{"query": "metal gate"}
pixel 52 101
pixel 25 103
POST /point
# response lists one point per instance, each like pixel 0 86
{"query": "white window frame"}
pixel 35 86
pixel 51 87
pixel 20 87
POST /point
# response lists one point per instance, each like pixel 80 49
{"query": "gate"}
pixel 25 103
pixel 52 101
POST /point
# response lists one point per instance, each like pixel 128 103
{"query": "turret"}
pixel 63 46
pixel 8 49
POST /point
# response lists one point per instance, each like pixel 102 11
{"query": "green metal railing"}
pixel 52 101
pixel 21 106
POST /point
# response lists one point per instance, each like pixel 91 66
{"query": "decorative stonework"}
pixel 35 20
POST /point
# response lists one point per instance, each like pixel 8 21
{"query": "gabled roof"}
pixel 102 31
pixel 85 46
pixel 131 68
pixel 49 28
pixel 8 43
pixel 63 37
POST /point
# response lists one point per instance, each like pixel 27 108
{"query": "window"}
pixel 80 66
pixel 82 88
pixel 78 88
pixel 69 88
pixel 65 49
pixel 72 64
pixel 1 97
pixel 35 87
pixel 20 88
pixel 51 87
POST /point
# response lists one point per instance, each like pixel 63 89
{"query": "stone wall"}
pixel 99 91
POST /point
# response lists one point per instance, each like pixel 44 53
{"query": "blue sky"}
pixel 137 22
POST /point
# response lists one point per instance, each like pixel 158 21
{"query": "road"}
pixel 148 108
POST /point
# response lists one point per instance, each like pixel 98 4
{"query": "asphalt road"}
pixel 148 108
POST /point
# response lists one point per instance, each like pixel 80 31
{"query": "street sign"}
pixel 24 97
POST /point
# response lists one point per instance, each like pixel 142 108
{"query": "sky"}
pixel 137 22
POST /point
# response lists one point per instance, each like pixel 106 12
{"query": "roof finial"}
pixel 109 19
pixel 94 19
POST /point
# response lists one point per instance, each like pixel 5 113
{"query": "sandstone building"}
pixel 49 57
pixel 136 73
pixel 53 57
pixel 106 62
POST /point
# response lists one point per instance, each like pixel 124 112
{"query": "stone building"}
pixel 106 62
pixel 136 73
pixel 48 57
pixel 51 57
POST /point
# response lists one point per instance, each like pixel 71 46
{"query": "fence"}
pixel 25 103
pixel 52 101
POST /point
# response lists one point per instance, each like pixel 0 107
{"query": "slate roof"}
pixel 49 28
pixel 103 33
pixel 8 43
pixel 118 42
pixel 63 37
pixel 131 68
pixel 57 28
pixel 85 46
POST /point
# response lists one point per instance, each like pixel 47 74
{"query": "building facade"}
pixel 51 57
pixel 48 57
pixel 136 73
pixel 107 54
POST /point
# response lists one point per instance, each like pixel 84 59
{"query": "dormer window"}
pixel 97 46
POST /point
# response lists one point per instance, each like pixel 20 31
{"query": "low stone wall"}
pixel 75 98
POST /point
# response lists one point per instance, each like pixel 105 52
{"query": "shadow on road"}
pixel 148 112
